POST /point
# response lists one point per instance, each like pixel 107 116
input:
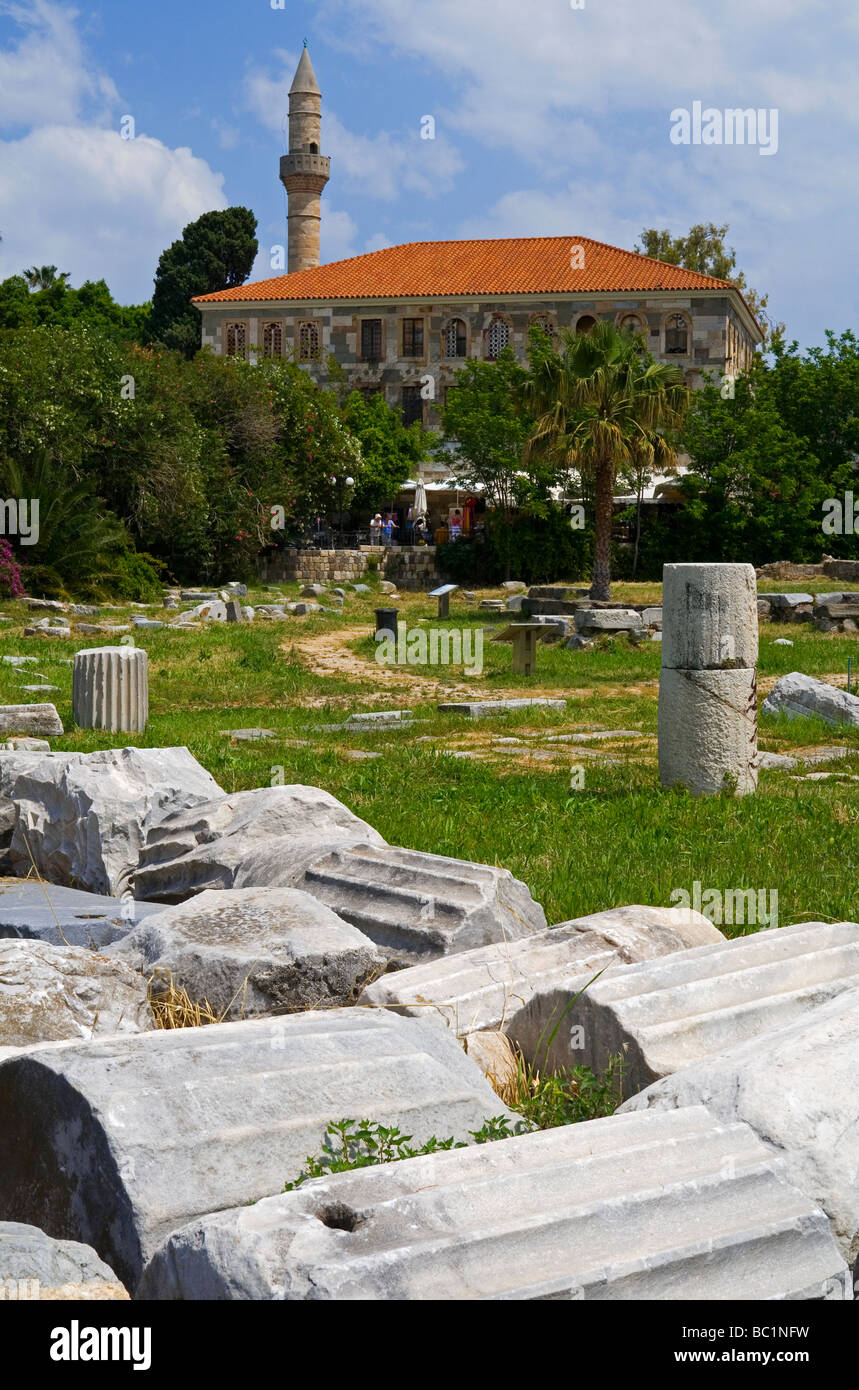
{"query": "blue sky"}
pixel 549 120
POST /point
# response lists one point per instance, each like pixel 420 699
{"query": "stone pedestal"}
pixel 111 689
pixel 708 684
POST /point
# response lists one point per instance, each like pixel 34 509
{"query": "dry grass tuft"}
pixel 174 1008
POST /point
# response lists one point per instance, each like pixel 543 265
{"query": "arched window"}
pixel 314 149
pixel 272 340
pixel 545 324
pixel 454 338
pixel 497 338
pixel 586 323
pixel 237 339
pixel 308 342
pixel 632 323
pixel 677 335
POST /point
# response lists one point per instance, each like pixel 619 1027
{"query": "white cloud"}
pixel 46 78
pixel 82 198
pixel 99 206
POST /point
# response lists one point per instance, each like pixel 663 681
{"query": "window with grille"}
pixel 413 406
pixel 454 339
pixel 413 337
pixel 677 335
pixel 308 341
pixel 237 339
pixel 631 323
pixel 544 323
pixel 371 339
pixel 272 340
pixel 497 338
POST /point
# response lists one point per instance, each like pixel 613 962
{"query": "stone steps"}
pixel 417 905
pixel 674 1206
pixel 117 1142
pixel 673 1012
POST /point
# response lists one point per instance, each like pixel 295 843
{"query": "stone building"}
pixel 405 319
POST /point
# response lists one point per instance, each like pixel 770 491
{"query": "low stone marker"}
pixel 443 593
pixel 524 639
pixel 110 689
pixel 235 613
pixel 30 719
pixel 633 1207
pixel 708 680
pixel 593 621
pixel 117 1142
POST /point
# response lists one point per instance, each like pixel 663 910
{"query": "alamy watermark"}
pixel 20 517
pixel 731 906
pixel 706 125
pixel 433 646
pixel 841 519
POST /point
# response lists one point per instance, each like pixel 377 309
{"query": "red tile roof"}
pixel 506 266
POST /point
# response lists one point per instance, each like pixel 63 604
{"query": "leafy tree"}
pixel 214 253
pixel 485 429
pixel 754 491
pixel 601 404
pixel 390 450
pixel 703 249
pixel 59 305
pixel 44 277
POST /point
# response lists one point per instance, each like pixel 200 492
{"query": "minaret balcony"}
pixel 301 163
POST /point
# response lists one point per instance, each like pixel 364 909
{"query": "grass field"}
pixel 451 786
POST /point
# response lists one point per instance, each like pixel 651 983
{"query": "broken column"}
pixel 116 1142
pixel 708 683
pixel 111 689
pixel 633 1207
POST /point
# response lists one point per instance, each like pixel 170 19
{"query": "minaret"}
pixel 304 171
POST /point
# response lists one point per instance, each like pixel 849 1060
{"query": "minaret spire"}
pixel 304 172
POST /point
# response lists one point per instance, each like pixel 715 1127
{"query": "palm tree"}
pixel 43 277
pixel 601 402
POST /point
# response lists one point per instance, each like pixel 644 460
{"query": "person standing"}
pixel 376 529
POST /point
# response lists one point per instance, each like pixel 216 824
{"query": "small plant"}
pixel 550 1099
pixel 350 1144
pixel 11 584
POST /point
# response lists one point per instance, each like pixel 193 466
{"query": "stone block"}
pixel 485 988
pixel 847 570
pixel 791 1086
pixel 708 730
pixel 596 620
pixel 478 709
pixel 66 916
pixel 30 719
pixel 710 619
pixel 117 1142
pixel 85 816
pixel 261 838
pixel 110 689
pixel 417 906
pixel 34 1266
pixel 251 951
pixel 643 1207
pixel 665 1014
pixel 55 993
pixel 798 694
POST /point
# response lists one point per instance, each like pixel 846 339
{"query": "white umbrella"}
pixel 419 506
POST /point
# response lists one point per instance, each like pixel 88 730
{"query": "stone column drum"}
pixel 708 726
pixel 111 689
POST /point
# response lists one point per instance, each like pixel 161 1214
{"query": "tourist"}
pixel 388 528
pixel 376 529
pixel 456 526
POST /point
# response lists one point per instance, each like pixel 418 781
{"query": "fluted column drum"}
pixel 111 689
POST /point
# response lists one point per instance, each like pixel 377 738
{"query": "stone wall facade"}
pixel 410 569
